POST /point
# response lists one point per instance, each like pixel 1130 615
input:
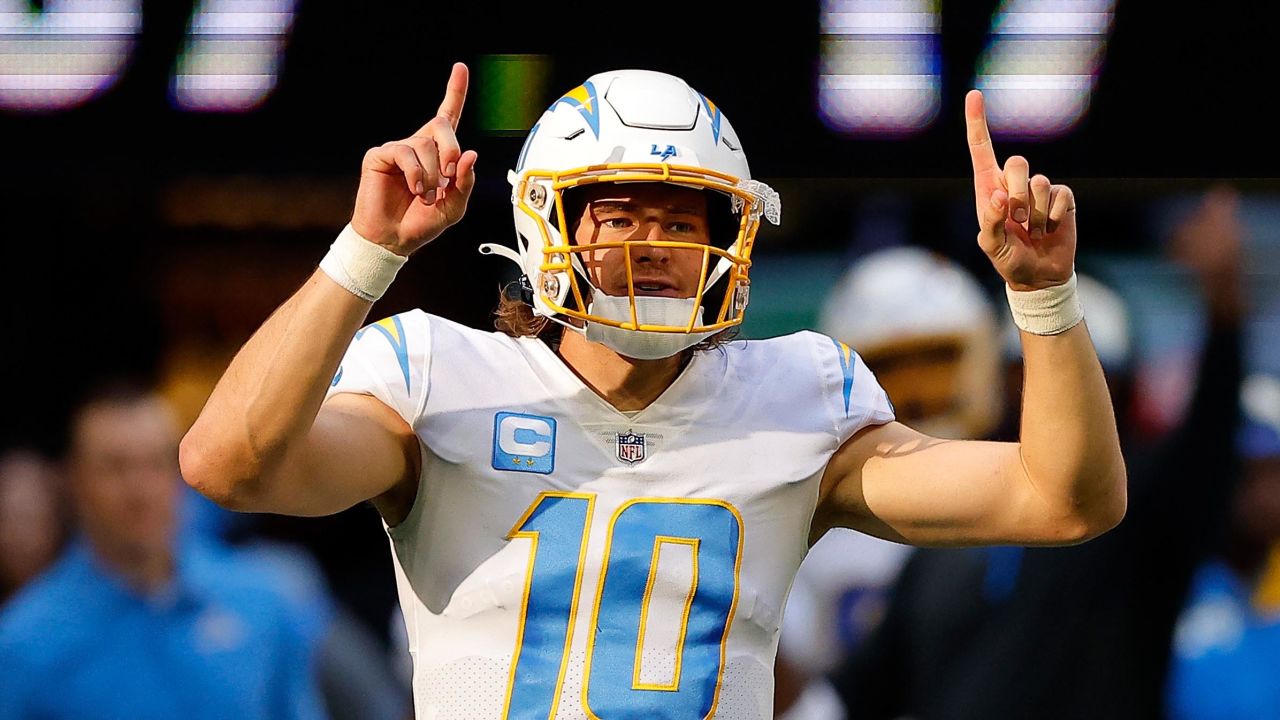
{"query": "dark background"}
pixel 131 228
pixel 1184 90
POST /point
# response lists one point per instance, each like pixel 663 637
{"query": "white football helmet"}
pixel 633 126
pixel 928 331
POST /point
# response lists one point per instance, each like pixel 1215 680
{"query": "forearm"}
pixel 257 444
pixel 1070 450
pixel 268 399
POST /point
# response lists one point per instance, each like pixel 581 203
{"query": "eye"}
pixel 616 223
pixel 682 227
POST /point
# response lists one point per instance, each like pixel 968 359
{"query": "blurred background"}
pixel 178 168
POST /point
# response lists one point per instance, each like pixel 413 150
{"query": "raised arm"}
pixel 263 441
pixel 1064 481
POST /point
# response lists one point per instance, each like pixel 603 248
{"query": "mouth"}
pixel 655 288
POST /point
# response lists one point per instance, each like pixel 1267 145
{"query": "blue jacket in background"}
pixel 220 642
pixel 1226 655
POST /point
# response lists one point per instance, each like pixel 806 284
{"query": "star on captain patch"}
pixel 630 447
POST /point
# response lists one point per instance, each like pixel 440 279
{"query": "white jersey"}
pixel 565 560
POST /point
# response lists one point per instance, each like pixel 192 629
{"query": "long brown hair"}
pixel 515 317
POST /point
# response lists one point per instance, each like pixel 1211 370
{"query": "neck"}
pixel 143 570
pixel 625 383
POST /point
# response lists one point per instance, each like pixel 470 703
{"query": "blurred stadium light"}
pixel 65 55
pixel 230 59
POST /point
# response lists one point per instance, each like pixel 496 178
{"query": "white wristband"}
pixel 1049 311
pixel 364 268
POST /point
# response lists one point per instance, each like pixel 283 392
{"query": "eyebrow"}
pixel 625 206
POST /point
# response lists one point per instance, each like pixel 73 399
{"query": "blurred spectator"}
pixel 1084 631
pixel 931 332
pixel 137 619
pixel 335 569
pixel 32 523
pixel 1227 644
pixel 358 678
pixel 925 327
pixel 212 300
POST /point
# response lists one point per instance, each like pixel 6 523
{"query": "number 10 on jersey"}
pixel 558 525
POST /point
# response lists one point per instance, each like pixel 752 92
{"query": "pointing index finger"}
pixel 975 120
pixel 455 95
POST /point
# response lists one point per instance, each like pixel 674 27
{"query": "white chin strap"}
pixel 641 344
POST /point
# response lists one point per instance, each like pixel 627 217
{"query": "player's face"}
pixel 124 474
pixel 612 212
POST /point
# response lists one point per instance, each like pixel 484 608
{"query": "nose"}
pixel 650 231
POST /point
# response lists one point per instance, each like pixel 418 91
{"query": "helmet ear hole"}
pixel 573 203
pixel 722 221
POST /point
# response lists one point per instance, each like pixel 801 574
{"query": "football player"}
pixel 602 517
pixel 926 328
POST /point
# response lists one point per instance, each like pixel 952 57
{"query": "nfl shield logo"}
pixel 630 447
